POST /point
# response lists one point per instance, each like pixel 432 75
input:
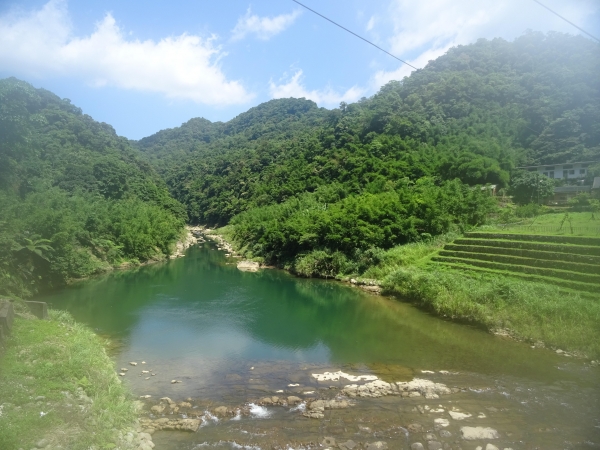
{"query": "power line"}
pixel 352 32
pixel 410 65
pixel 568 21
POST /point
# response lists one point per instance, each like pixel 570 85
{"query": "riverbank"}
pixel 533 312
pixel 59 389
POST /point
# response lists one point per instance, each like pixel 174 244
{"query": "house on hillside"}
pixel 562 194
pixel 574 172
pixel 566 171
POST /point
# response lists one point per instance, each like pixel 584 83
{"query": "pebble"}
pixel 133 363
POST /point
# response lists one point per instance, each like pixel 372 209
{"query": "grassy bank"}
pixel 58 384
pixel 531 311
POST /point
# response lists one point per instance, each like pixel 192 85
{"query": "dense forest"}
pixel 302 183
pixel 75 199
pixel 316 190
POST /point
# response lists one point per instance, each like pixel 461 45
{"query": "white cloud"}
pixel 425 30
pixel 371 23
pixel 40 43
pixel 325 97
pixel 263 27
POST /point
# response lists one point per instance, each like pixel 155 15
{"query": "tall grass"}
pixel 531 311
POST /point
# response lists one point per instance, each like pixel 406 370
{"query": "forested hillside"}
pixel 74 197
pixel 393 168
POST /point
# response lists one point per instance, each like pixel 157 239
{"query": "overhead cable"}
pixel 568 21
pixel 352 32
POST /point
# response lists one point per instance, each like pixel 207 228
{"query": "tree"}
pixel 531 187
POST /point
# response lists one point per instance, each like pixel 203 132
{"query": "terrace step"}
pixel 576 240
pixel 588 290
pixel 547 247
pixel 524 253
pixel 524 261
pixel 553 273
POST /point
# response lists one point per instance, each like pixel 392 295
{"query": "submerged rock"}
pixel 177 424
pixel 314 414
pixel 379 445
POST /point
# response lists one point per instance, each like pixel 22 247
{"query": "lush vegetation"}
pixel 57 384
pixel 314 236
pixel 314 190
pixel 74 197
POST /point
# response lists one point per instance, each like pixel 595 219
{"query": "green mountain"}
pixel 473 114
pixel 75 199
pixel 321 190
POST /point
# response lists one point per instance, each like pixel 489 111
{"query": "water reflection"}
pixel 201 307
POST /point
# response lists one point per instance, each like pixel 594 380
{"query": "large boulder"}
pixel 248 266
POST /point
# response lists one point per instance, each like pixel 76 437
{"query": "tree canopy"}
pixel 75 198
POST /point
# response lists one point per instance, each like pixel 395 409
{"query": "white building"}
pixel 568 171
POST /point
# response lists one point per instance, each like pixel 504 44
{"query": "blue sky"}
pixel 143 66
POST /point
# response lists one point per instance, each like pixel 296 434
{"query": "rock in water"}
pixel 248 266
pixel 474 433
pixel 221 411
pixel 292 400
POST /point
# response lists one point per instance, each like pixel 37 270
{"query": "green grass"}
pixel 415 254
pixel 84 404
pixel 587 290
pixel 531 311
pixel 576 224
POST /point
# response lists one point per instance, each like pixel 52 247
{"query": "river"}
pixel 231 338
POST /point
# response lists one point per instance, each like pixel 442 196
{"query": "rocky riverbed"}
pixel 341 410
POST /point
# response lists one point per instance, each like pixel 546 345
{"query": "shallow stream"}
pixel 231 338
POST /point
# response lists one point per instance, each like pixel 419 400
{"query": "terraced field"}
pixel 572 262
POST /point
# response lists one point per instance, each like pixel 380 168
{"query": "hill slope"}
pixel 75 198
pixel 473 114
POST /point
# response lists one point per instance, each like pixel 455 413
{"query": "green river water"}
pixel 234 337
